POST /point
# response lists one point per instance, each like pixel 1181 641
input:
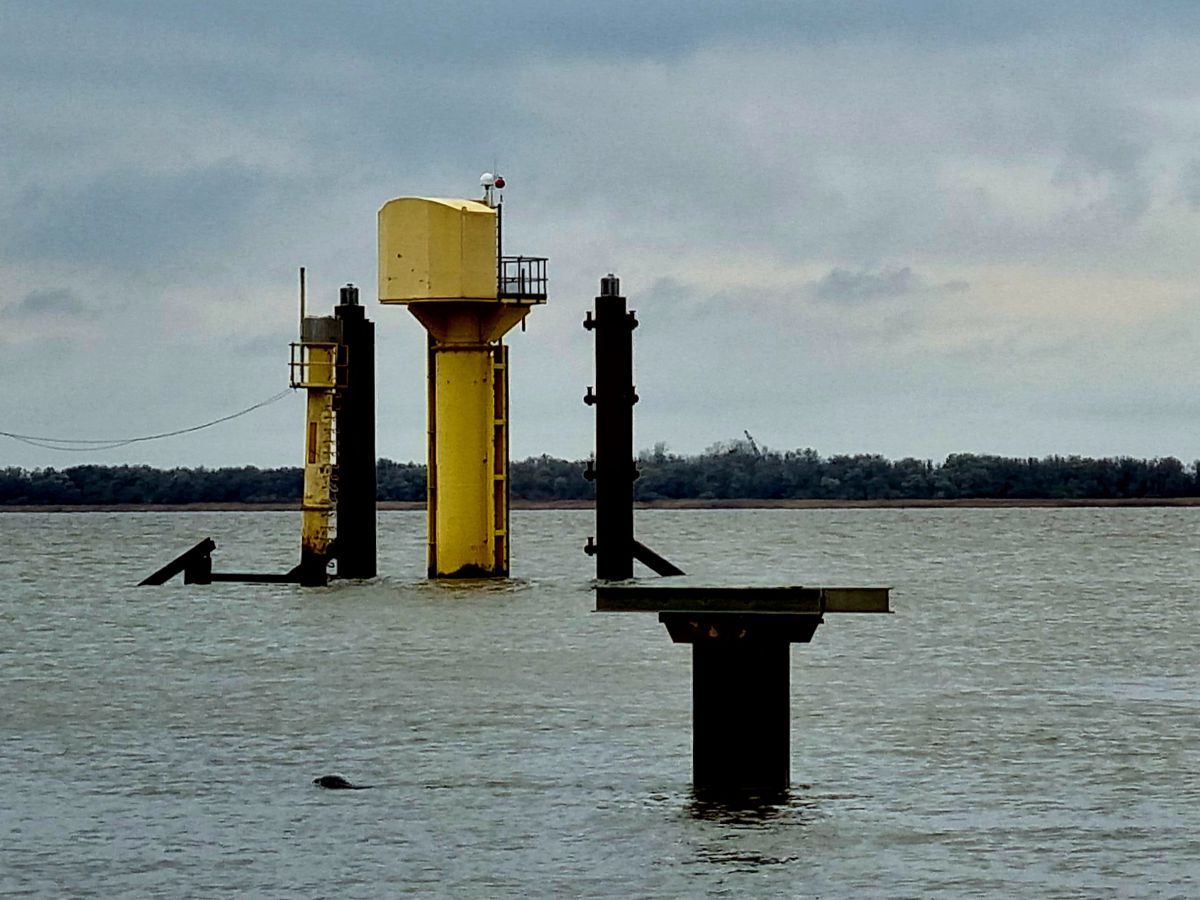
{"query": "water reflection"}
pixel 749 834
pixel 474 586
pixel 744 861
pixel 750 809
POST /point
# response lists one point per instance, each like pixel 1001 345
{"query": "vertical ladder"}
pixel 431 505
pixel 500 482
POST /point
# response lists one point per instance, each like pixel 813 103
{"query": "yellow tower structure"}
pixel 442 259
pixel 314 367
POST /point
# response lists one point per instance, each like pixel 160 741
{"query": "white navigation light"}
pixel 487 180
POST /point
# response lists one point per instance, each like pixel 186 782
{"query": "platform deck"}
pixel 794 599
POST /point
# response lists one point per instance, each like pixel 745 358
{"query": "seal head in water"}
pixel 338 783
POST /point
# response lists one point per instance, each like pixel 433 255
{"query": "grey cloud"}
pixel 667 296
pixel 669 304
pixel 473 33
pixel 1105 139
pixel 127 218
pixel 1123 410
pixel 663 128
pixel 262 346
pixel 50 302
pixel 810 165
pixel 1190 185
pixel 845 286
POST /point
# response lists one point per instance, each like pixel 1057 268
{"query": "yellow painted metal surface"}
pixel 439 257
pixel 463 459
pixel 436 249
pixel 468 436
pixel 468 322
pixel 468 439
pixel 317 504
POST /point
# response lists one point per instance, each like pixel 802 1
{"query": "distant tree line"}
pixel 739 469
pixel 732 470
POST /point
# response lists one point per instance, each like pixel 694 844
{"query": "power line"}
pixel 79 445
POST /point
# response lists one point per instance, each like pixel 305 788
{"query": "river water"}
pixel 1026 724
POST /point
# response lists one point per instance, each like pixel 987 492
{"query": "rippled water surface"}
pixel 1026 724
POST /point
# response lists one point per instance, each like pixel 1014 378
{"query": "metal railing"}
pixel 329 371
pixel 522 278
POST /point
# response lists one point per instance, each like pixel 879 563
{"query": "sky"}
pixel 912 229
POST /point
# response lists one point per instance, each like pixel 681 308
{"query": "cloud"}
pixel 1189 184
pixel 51 302
pixel 133 219
pixel 472 33
pixel 845 286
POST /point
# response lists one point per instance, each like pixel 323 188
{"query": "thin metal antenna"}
pixel 303 297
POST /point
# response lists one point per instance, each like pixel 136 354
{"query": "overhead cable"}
pixel 78 445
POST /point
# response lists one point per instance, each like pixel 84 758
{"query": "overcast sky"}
pixel 909 228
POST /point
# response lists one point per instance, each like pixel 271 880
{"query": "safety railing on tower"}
pixel 315 364
pixel 522 278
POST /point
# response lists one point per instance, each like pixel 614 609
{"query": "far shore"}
pixel 648 504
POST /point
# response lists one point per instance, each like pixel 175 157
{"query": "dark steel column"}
pixel 741 718
pixel 356 541
pixel 741 700
pixel 614 397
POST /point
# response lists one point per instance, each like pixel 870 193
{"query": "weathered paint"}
pixel 436 249
pixel 439 258
pixel 318 375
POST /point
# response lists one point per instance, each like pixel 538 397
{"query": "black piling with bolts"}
pixel 613 469
pixel 613 397
pixel 355 423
